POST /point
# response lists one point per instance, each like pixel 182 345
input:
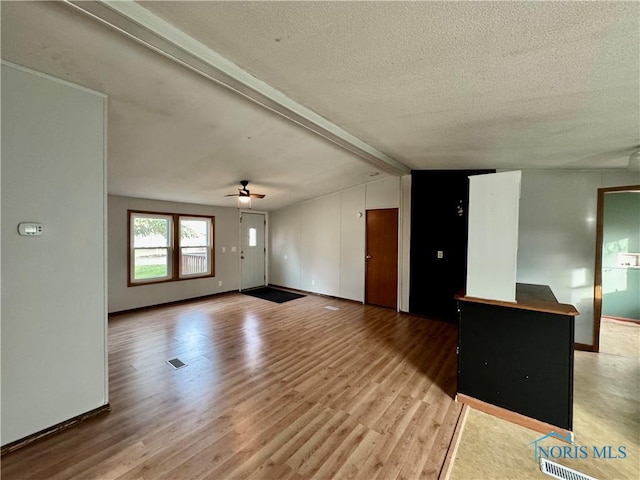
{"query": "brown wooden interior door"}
pixel 381 277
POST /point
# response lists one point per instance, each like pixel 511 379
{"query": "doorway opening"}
pixel 617 266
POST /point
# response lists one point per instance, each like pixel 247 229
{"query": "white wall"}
pixel 405 242
pixel 319 245
pixel 227 235
pixel 352 251
pixel 557 235
pixel 285 253
pixel 53 286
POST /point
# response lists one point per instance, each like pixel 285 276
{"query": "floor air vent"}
pixel 176 363
pixel 561 472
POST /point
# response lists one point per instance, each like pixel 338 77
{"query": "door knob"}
pixel 242 257
pixel 368 257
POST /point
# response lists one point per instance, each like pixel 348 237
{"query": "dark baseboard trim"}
pixel 219 294
pixel 584 347
pixel 168 304
pixel 47 432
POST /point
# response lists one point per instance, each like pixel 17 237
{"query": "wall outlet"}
pixel 224 249
pixel 313 282
pixel 440 254
pixel 219 283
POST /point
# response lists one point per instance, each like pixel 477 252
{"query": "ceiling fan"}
pixel 244 195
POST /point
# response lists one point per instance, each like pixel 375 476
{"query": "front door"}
pixel 252 250
pixel 381 277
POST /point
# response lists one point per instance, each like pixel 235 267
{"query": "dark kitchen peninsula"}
pixel 515 359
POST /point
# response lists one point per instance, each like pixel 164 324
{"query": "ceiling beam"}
pixel 145 27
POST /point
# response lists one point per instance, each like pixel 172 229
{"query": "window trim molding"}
pixel 174 248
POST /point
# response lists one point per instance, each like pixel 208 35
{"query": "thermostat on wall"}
pixel 30 229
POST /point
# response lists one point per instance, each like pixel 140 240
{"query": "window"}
pixel 169 247
pixel 195 244
pixel 151 247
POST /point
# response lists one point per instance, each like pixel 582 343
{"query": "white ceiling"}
pixel 429 84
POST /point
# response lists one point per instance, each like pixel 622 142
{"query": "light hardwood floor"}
pixel 271 391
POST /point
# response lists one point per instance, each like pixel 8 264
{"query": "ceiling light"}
pixel 244 201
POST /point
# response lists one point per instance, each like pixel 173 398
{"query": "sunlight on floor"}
pixel 619 338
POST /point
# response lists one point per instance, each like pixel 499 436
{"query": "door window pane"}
pixel 252 237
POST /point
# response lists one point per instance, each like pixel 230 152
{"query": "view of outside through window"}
pixel 194 246
pixel 151 242
pixel 157 255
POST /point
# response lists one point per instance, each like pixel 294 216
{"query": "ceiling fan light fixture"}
pixel 244 201
pixel 244 195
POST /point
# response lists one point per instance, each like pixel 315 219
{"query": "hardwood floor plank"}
pixel 316 449
pixel 269 391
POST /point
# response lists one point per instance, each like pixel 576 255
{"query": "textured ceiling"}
pixel 446 84
pixel 172 134
pixel 431 84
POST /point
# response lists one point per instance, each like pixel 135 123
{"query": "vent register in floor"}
pixel 176 363
pixel 561 472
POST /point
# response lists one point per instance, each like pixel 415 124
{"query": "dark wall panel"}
pixel 439 205
pixel 520 360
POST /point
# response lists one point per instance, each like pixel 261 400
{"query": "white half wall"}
pixel 319 245
pixel 493 235
pixel 557 235
pixel 227 266
pixel 53 286
pixel 404 273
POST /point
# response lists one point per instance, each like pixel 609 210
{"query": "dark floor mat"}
pixel 273 294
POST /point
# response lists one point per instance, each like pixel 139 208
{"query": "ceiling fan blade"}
pixel 257 195
pixel 232 195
